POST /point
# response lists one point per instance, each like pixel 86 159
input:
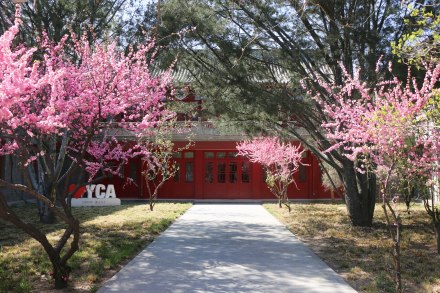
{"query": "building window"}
pixel 177 155
pixel 177 174
pixel 302 172
pixel 209 172
pixel 232 172
pixel 232 154
pixel 245 174
pixel 188 155
pixel 221 155
pixel 221 174
pixel 133 171
pixel 209 155
pixel 189 172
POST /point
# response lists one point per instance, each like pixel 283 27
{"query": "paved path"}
pixel 226 248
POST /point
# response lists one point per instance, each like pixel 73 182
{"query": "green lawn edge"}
pixel 110 237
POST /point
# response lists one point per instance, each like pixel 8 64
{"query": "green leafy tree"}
pixel 249 59
pixel 57 18
pixel 420 44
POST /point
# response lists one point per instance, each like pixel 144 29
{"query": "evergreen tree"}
pixel 250 57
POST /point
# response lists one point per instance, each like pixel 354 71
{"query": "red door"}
pixel 182 185
pixel 303 179
pixel 226 176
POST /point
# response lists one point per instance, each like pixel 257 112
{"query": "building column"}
pixel 198 174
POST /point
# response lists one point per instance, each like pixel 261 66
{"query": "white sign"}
pixel 101 191
pixel 98 195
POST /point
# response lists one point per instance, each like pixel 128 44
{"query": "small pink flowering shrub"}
pixel 280 161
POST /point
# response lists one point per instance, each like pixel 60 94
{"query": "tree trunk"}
pixel 60 275
pixel 360 195
pixel 437 235
pixel 398 274
pixel 286 200
pixel 59 265
pixel 45 213
pixel 153 198
pixel 394 225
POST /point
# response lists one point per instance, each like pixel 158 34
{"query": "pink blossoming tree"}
pixel 63 114
pixel 384 130
pixel 280 161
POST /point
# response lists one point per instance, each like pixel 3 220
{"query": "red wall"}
pixel 308 180
pixel 192 182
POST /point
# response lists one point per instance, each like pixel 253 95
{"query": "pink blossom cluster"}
pixel 384 124
pixel 109 156
pixel 279 158
pixel 87 93
pixel 19 77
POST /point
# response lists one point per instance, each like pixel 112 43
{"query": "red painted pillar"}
pixel 198 174
pixel 316 177
pixel 255 181
pixel 310 178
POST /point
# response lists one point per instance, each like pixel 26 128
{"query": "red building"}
pixel 211 170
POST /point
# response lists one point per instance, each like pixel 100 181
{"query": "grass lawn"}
pixel 363 255
pixel 110 237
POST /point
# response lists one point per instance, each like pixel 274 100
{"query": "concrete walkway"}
pixel 226 248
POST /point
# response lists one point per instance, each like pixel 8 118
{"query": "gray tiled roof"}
pixel 275 73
